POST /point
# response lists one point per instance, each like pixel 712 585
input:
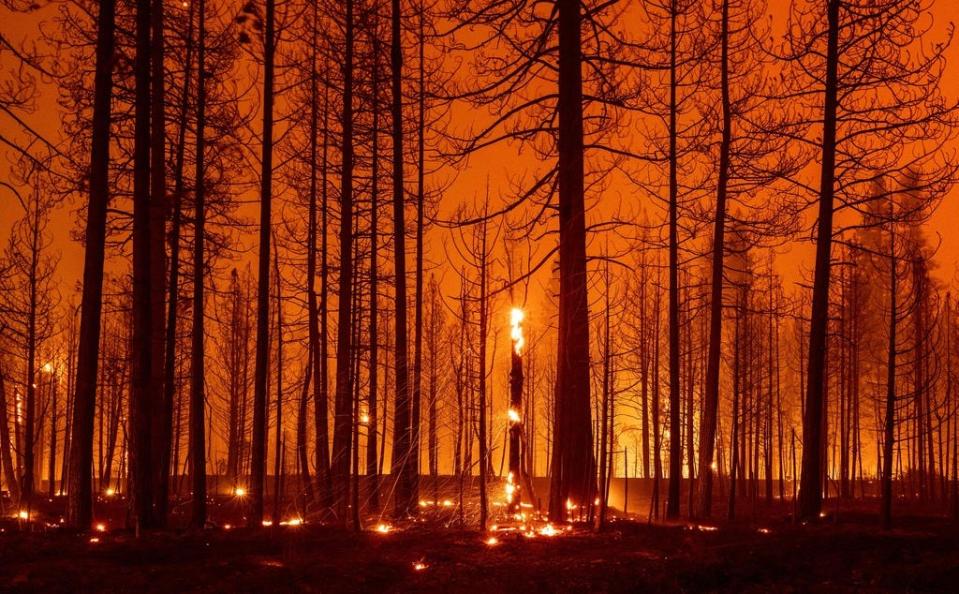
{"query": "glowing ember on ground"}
pixel 383 528
pixel 492 541
pixel 294 522
pixel 703 528
pixel 94 540
pixel 419 566
pixel 228 526
pixel 267 522
pixel 764 531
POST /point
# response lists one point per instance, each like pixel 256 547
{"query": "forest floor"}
pixel 845 552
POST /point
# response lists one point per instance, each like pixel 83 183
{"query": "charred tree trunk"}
pixel 404 499
pixel 418 290
pixel 572 476
pixel 321 382
pixel 6 459
pixel 372 466
pixel 810 490
pixel 258 445
pixel 197 353
pixel 142 393
pixel 173 288
pixel 159 209
pixel 890 420
pixel 707 428
pixel 675 442
pixel 343 403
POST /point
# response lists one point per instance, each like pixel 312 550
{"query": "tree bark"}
pixel 572 465
pixel 197 353
pixel 159 208
pixel 810 489
pixel 142 392
pixel 258 445
pixel 404 498
pixel 343 399
pixel 707 430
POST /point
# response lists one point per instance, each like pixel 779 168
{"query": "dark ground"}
pixel 849 554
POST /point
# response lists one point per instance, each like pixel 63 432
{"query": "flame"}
pixel 23 514
pixel 516 316
pixel 94 540
pixel 513 416
pixel 420 566
pixel 101 527
pixel 511 488
pixel 47 367
pixel 239 492
pixel 492 541
pixel 548 530
pixel 383 528
pixel 110 492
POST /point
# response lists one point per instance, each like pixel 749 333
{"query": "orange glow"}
pixel 516 316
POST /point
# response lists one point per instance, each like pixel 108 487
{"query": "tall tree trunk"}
pixel 312 311
pixel 404 498
pixel 890 420
pixel 159 209
pixel 321 382
pixel 6 458
pixel 51 467
pixel 278 443
pixel 372 467
pixel 810 490
pixel 258 445
pixel 142 392
pixel 418 291
pixel 197 353
pixel 173 288
pixel 30 431
pixel 675 443
pixel 710 417
pixel 343 403
pixel 573 465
